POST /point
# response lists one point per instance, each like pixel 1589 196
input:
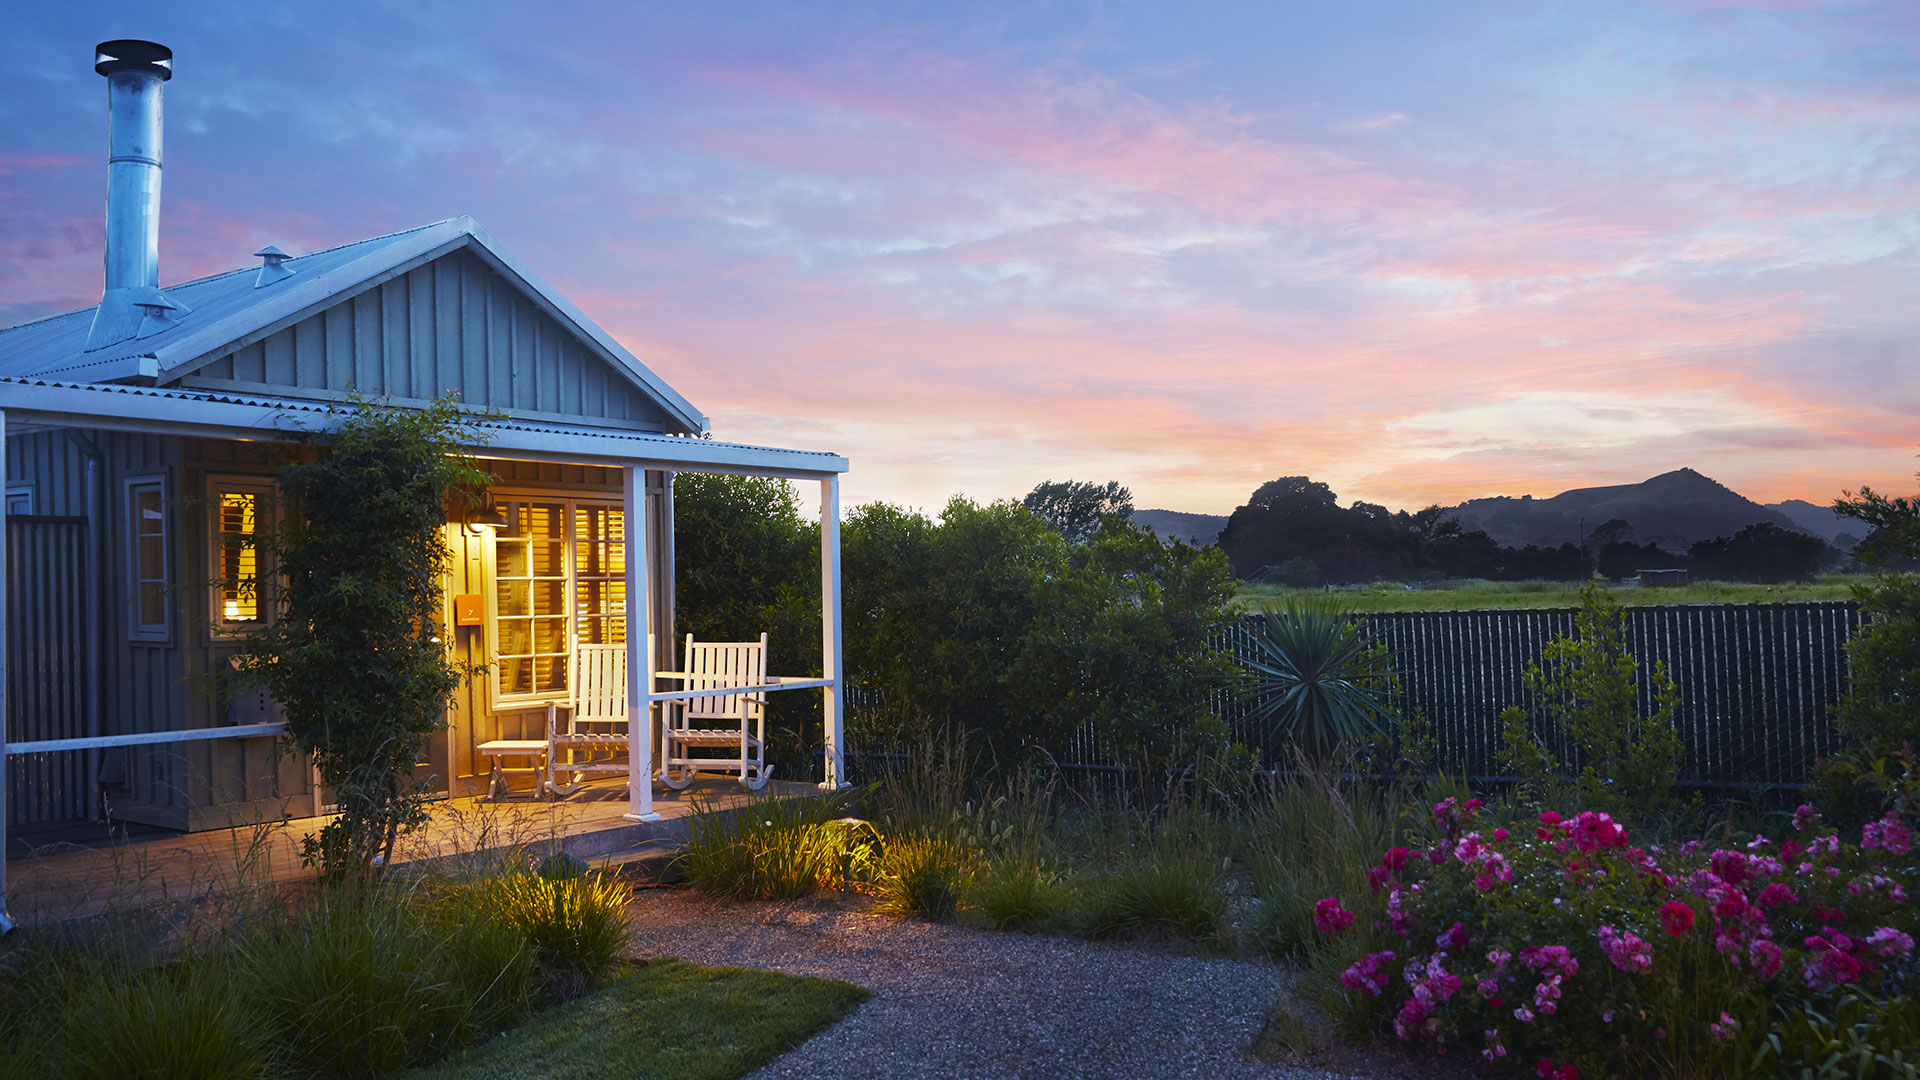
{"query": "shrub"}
pixel 1861 1037
pixel 1167 891
pixel 360 570
pixel 1564 944
pixel 770 849
pixel 1587 740
pixel 923 877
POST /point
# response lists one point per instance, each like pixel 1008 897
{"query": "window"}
pixel 19 499
pixel 559 577
pixel 149 595
pixel 239 510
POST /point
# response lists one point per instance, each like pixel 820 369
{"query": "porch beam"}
pixel 639 647
pixel 6 923
pixel 830 663
pixel 216 416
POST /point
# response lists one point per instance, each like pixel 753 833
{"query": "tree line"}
pixel 1294 531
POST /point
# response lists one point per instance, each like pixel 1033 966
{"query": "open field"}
pixel 1477 595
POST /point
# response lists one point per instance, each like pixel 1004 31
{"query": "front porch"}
pixel 93 870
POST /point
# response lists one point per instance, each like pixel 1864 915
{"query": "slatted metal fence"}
pixel 46 649
pixel 1757 683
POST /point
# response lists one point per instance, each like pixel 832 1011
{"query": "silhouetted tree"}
pixel 1076 508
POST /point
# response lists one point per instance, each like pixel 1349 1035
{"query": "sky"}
pixel 1420 251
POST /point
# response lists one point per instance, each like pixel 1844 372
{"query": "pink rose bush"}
pixel 1567 944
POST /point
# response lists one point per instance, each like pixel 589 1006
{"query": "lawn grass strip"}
pixel 668 1019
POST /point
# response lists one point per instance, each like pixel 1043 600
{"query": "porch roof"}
pixel 31 403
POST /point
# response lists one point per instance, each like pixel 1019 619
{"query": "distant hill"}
pixel 1673 510
pixel 1196 529
pixel 1821 521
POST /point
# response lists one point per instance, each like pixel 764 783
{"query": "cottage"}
pixel 139 453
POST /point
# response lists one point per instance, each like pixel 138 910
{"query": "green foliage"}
pixel 1298 518
pixel 1122 638
pixel 1763 552
pixel 1317 685
pixel 1076 509
pixel 1168 889
pixel 577 926
pixel 668 1020
pixel 1860 1037
pixel 363 987
pixel 1298 572
pixel 1880 715
pixel 188 1020
pixel 770 849
pixel 1310 837
pixel 992 622
pixel 924 877
pixel 1020 892
pixel 355 658
pixel 1586 738
pixel 747 563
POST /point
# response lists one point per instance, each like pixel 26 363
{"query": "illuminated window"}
pixel 239 512
pixel 559 578
pixel 149 595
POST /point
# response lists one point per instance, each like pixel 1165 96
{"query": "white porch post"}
pixel 830 664
pixel 6 923
pixel 639 648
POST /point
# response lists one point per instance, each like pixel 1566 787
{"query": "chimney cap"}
pixel 132 54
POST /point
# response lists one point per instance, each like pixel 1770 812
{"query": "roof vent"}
pixel 135 72
pixel 273 266
pixel 157 311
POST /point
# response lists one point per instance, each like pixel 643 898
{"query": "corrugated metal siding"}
pixel 225 772
pixel 46 654
pixel 453 324
pixel 54 466
pixel 140 688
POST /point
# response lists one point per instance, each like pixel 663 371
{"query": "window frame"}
pixel 23 491
pixel 266 514
pixel 138 629
pixel 572 503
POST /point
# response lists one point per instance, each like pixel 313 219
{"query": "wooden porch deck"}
pixel 65 879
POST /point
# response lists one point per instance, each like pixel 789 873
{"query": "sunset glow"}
pixel 1420 251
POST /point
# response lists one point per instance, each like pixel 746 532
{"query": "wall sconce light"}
pixel 489 516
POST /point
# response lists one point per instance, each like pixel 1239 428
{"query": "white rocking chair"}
pixel 596 723
pixel 719 722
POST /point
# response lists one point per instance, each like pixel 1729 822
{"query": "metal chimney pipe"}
pixel 135 72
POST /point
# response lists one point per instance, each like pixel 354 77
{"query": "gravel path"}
pixel 952 1001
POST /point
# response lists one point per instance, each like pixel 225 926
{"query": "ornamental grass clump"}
pixel 1565 945
pixel 1164 892
pixel 576 925
pixel 924 877
pixel 770 849
pixel 1021 892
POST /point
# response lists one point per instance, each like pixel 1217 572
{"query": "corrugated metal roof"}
pixel 55 345
pixel 305 413
pixel 227 310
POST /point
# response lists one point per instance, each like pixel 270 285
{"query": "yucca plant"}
pixel 1317 683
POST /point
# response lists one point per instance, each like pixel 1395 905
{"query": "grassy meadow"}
pixel 1480 595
